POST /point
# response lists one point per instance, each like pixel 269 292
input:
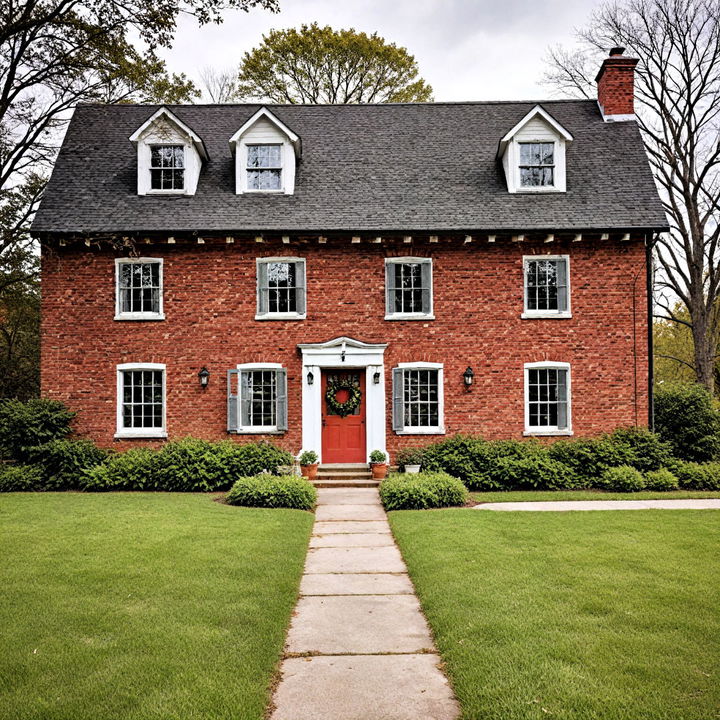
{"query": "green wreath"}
pixel 350 405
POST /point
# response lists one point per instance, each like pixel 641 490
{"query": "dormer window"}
pixel 167 167
pixel 537 164
pixel 264 167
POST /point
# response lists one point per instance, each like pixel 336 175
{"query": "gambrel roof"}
pixel 364 168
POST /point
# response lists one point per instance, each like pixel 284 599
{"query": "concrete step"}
pixel 335 482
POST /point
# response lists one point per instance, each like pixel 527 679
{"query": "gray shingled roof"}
pixel 428 167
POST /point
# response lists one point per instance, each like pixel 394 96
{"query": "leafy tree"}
pixel 673 350
pixel 678 107
pixel 322 65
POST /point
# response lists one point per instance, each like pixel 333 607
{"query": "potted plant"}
pixel 308 464
pixel 378 464
pixel 411 459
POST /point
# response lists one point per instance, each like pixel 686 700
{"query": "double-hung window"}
pixel 264 167
pixel 141 400
pixel 418 398
pixel 408 289
pixel 537 164
pixel 167 168
pixel 139 289
pixel 547 399
pixel 281 288
pixel 547 286
pixel 257 398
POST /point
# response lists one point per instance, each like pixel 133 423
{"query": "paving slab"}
pixel 348 496
pixel 585 505
pixel 352 540
pixel 354 560
pixel 356 584
pixel 358 624
pixel 369 687
pixel 348 526
pixel 325 513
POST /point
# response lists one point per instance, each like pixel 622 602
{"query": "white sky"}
pixel 466 49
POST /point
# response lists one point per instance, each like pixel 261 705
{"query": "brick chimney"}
pixel 616 86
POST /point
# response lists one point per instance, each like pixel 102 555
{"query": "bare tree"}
pixel 219 86
pixel 678 108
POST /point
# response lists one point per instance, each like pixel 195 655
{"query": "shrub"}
pixel 28 424
pixel 61 462
pixel 645 449
pixel 421 491
pixel 687 418
pixel 622 479
pixel 130 470
pixel 191 465
pixel 251 458
pixel 537 472
pixel 410 456
pixel 273 491
pixel 378 457
pixel 14 478
pixel 698 476
pixel 308 457
pixel 661 480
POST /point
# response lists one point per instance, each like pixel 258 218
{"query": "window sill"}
pixel 257 431
pixel 279 191
pixel 167 192
pixel 281 316
pixel 140 316
pixel 539 189
pixel 421 431
pixel 565 315
pixel 409 317
pixel 140 434
pixel 547 432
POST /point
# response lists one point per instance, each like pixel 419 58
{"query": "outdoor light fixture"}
pixel 310 377
pixel 376 377
pixel 468 376
pixel 204 376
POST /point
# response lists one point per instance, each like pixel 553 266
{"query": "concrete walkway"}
pixel 358 647
pixel 567 505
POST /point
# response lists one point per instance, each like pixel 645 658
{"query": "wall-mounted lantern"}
pixel 376 377
pixel 204 377
pixel 310 377
pixel 468 376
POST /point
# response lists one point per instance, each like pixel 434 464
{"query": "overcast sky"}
pixel 466 49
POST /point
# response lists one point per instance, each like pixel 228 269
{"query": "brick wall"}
pixel 478 297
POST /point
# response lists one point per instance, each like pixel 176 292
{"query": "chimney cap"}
pixel 616 51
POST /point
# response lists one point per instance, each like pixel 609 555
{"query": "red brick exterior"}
pixel 616 85
pixel 209 303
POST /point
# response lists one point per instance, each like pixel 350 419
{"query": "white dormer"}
pixel 265 151
pixel 533 154
pixel 169 156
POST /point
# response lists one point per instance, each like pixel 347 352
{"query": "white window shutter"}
pixel 262 289
pixel 389 288
pixel 426 274
pixel 232 399
pixel 398 394
pixel 300 288
pixel 282 409
pixel 562 285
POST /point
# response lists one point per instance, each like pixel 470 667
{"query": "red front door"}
pixel 343 432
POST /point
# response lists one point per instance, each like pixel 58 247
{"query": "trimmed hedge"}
pixel 535 472
pixel 661 480
pixel 698 476
pixel 421 491
pixel 15 478
pixel 273 491
pixel 130 470
pixel 25 425
pixel 622 479
pixel 62 462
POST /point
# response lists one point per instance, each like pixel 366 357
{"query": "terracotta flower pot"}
pixel 379 470
pixel 309 471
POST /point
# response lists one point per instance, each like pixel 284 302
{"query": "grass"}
pixel 143 605
pixel 572 616
pixel 539 495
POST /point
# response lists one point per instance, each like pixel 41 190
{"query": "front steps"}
pixel 349 475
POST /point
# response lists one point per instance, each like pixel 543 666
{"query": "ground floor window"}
pixel 141 400
pixel 257 399
pixel 418 398
pixel 547 398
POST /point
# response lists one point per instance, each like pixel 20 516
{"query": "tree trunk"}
pixel 704 353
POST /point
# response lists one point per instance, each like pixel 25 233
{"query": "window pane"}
pixel 259 394
pixel 166 167
pixel 408 293
pixel 264 179
pixel 281 279
pixel 139 287
pixel 547 398
pixel 264 156
pixel 421 398
pixel 542 284
pixel 142 399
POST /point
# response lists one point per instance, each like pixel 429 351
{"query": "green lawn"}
pixel 143 605
pixel 572 616
pixel 538 495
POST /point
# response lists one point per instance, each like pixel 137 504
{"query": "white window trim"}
pixel 138 315
pixel 122 432
pixel 255 429
pixel 278 315
pixel 287 168
pixel 534 431
pixel 438 429
pixel 169 191
pixel 558 167
pixel 546 314
pixel 411 316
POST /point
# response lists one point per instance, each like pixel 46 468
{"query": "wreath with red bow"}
pixel 350 405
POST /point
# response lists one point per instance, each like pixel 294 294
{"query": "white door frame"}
pixel 343 352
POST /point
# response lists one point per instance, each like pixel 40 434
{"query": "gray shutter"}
pixel 562 399
pixel 562 285
pixel 426 274
pixel 262 290
pixel 398 395
pixel 232 400
pixel 300 288
pixel 389 288
pixel 282 409
pixel 245 396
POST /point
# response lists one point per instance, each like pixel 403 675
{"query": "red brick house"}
pixel 351 277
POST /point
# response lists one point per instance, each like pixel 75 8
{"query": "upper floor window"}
pixel 547 398
pixel 418 398
pixel 167 167
pixel 257 398
pixel 141 400
pixel 139 289
pixel 408 287
pixel 537 164
pixel 547 286
pixel 264 167
pixel 281 288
